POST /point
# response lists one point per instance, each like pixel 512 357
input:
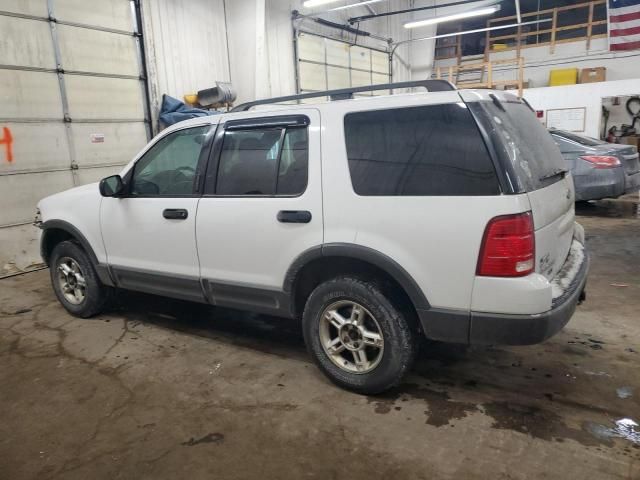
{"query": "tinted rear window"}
pixel 430 150
pixel 525 142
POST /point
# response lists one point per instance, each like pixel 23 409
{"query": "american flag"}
pixel 624 24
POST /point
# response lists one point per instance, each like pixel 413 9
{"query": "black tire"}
pixel 96 294
pixel 400 345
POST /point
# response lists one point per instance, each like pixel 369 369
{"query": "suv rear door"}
pixel 262 207
pixel 533 165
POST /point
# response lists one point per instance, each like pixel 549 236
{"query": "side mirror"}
pixel 111 186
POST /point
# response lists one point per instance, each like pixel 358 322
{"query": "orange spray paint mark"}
pixel 7 141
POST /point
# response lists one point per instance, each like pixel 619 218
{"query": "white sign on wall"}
pixel 570 119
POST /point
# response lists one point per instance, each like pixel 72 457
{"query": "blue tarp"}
pixel 174 111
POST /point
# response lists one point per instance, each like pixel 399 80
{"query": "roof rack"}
pixel 433 85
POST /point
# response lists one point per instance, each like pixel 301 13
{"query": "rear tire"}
pixel 357 337
pixel 75 281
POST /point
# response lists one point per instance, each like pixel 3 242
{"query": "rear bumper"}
pixel 480 328
pixel 632 183
pixel 490 329
pixel 600 183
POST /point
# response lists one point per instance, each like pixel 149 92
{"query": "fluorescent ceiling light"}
pixel 456 16
pixel 359 4
pixel 317 3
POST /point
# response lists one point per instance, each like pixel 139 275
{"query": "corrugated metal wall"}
pixel 72 107
pixel 186 46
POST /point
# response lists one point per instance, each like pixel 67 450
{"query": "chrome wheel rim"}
pixel 351 337
pixel 71 280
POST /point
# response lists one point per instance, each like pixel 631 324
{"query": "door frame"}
pixel 245 296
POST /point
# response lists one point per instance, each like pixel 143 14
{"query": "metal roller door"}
pixel 326 64
pixel 73 106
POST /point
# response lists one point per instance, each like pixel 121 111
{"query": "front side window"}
pixel 420 151
pixel 269 161
pixel 169 167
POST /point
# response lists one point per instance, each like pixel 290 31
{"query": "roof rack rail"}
pixel 432 85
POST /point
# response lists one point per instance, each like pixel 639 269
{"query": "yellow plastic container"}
pixel 563 76
pixel 191 98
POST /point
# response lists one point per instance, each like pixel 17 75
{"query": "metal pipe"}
pixel 297 15
pixel 141 57
pixel 296 54
pixel 370 8
pixel 518 16
pixel 408 10
pixel 25 271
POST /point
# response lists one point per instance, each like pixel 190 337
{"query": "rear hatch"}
pixel 530 163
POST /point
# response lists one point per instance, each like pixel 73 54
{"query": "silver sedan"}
pixel 599 169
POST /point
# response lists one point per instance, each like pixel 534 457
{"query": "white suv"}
pixel 374 220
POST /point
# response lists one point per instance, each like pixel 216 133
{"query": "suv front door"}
pixel 149 233
pixel 261 208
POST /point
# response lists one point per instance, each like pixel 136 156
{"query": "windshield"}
pixel 581 139
pixel 534 157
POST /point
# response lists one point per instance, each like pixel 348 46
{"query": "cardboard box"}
pixel 563 76
pixel 591 75
pixel 631 140
pixel 512 86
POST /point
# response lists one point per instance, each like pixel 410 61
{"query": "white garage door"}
pixel 73 107
pixel 327 64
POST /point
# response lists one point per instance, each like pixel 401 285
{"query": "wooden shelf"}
pixel 518 37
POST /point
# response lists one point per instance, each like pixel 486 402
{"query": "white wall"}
pixel 538 61
pixel 588 95
pixel 421 53
pixel 186 46
pixel 261 41
pixel 241 21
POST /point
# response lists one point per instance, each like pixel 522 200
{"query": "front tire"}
pixel 75 281
pixel 357 337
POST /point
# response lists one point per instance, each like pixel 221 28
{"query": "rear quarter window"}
pixel 525 143
pixel 418 151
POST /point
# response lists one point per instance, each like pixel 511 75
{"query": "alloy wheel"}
pixel 351 337
pixel 71 280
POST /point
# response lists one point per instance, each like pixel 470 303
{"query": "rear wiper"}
pixel 557 172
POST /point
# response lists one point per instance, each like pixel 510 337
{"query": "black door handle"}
pixel 175 213
pixel 294 216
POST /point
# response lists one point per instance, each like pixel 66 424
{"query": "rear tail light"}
pixel 602 161
pixel 508 247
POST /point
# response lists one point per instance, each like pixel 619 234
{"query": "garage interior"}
pixel 162 388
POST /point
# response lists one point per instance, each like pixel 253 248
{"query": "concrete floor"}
pixel 164 389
